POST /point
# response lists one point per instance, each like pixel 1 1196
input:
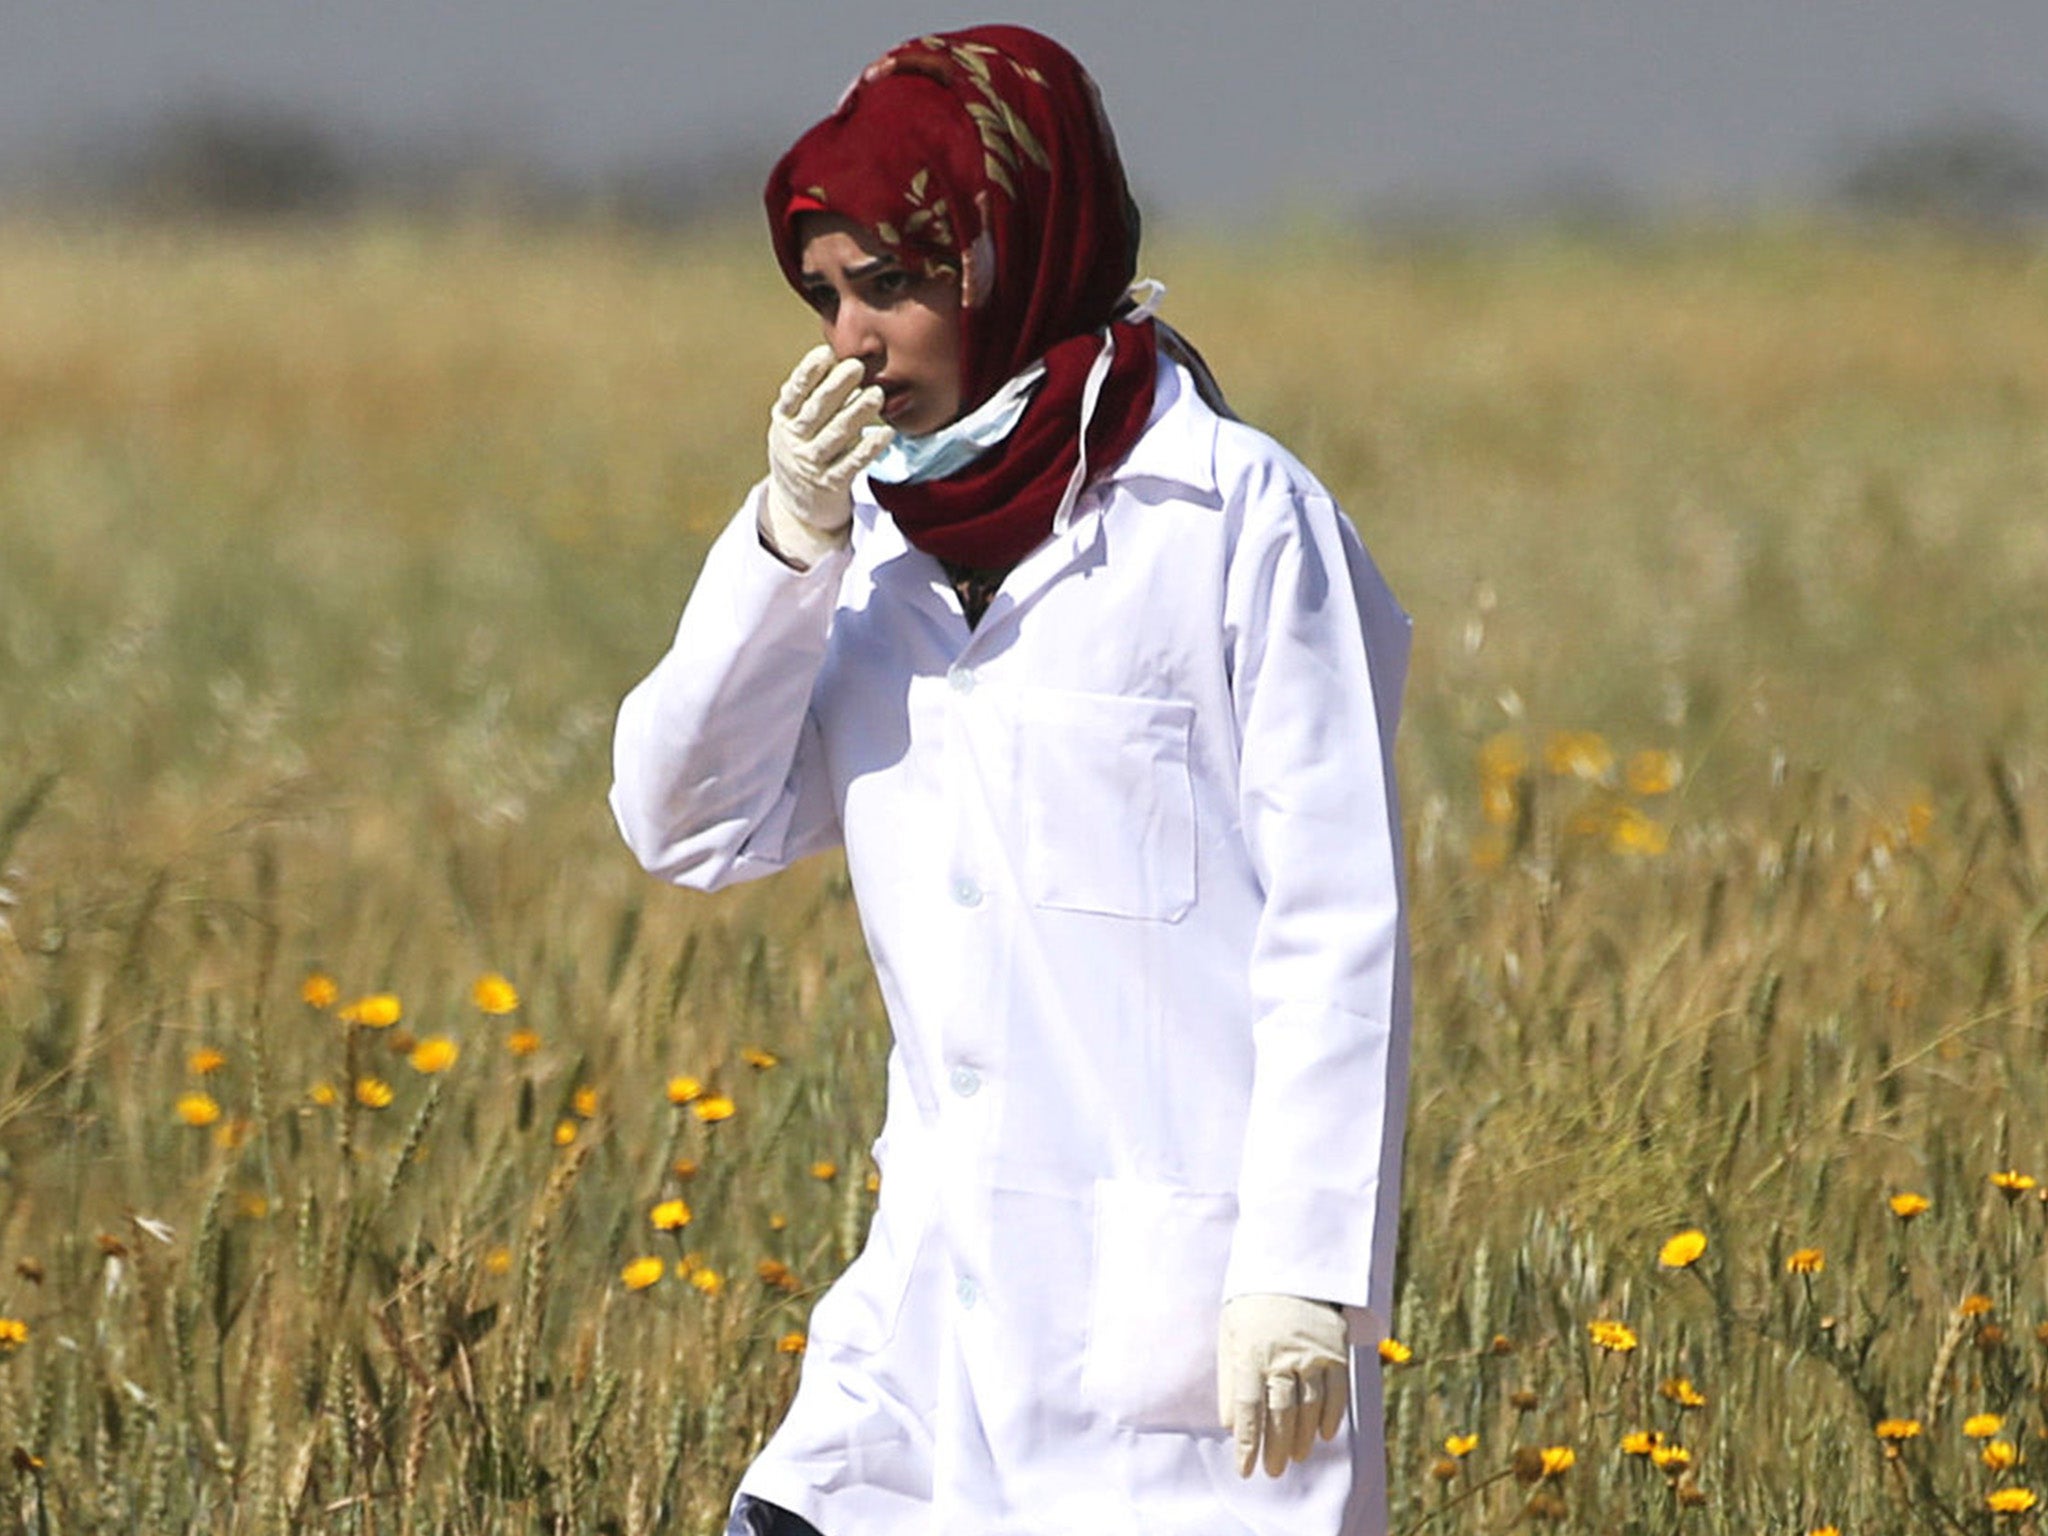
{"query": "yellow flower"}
pixel 373 1092
pixel 1461 1445
pixel 759 1059
pixel 1982 1426
pixel 1668 1457
pixel 670 1215
pixel 1806 1261
pixel 1974 1305
pixel 565 1132
pixel 1683 1250
pixel 1503 756
pixel 1651 772
pixel 777 1221
pixel 684 1167
pixel 1825 1530
pixel 1558 1460
pixel 1578 755
pixel 778 1274
pixel 2012 1183
pixel 683 1089
pixel 205 1061
pixel 1394 1352
pixel 252 1205
pixel 1906 1205
pixel 642 1273
pixel 1680 1390
pixel 197 1109
pixel 498 1261
pixel 13 1332
pixel 494 994
pixel 323 1094
pixel 717 1107
pixel 2010 1501
pixel 318 990
pixel 1499 801
pixel 1613 1336
pixel 1632 832
pixel 522 1042
pixel 790 1344
pixel 380 1010
pixel 709 1281
pixel 435 1054
pixel 584 1101
pixel 1640 1442
pixel 825 1169
pixel 1898 1429
pixel 2001 1455
pixel 874 1183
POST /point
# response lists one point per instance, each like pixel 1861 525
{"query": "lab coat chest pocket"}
pixel 1108 803
pixel 1155 1303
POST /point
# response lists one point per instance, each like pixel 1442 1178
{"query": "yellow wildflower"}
pixel 522 1042
pixel 1806 1261
pixel 707 1280
pixel 759 1059
pixel 435 1054
pixel 1578 755
pixel 1651 772
pixel 717 1107
pixel 1503 756
pixel 874 1183
pixel 1615 1337
pixel 1558 1460
pixel 380 1010
pixel 13 1333
pixel 642 1273
pixel 2011 1182
pixel 494 994
pixel 683 1089
pixel 1461 1445
pixel 373 1092
pixel 1499 801
pixel 1680 1390
pixel 1975 1304
pixel 205 1061
pixel 778 1274
pixel 2010 1501
pixel 584 1101
pixel 790 1344
pixel 1670 1457
pixel 197 1109
pixel 684 1167
pixel 824 1168
pixel 1683 1250
pixel 1898 1429
pixel 777 1221
pixel 1906 1205
pixel 323 1094
pixel 1982 1426
pixel 1825 1530
pixel 498 1261
pixel 670 1216
pixel 318 990
pixel 252 1205
pixel 1630 831
pixel 1394 1352
pixel 565 1132
pixel 2001 1455
pixel 1640 1442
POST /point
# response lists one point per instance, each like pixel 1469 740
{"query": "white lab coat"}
pixel 1127 860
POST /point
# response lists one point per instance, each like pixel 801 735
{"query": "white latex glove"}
pixel 824 430
pixel 1282 1373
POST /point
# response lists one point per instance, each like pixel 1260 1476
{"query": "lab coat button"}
pixel 967 1292
pixel 962 679
pixel 966 892
pixel 966 1082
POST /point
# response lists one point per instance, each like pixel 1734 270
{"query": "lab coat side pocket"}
pixel 1155 1303
pixel 1109 803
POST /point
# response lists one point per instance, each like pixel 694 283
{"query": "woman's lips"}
pixel 895 400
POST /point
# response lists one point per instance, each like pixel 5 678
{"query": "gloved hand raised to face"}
pixel 1283 1374
pixel 824 430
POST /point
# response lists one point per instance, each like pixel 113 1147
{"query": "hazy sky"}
pixel 1224 104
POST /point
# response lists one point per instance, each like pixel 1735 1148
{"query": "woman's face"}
pixel 904 327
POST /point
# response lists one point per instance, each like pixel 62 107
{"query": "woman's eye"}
pixel 892 284
pixel 821 299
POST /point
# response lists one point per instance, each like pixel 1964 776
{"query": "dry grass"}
pixel 325 555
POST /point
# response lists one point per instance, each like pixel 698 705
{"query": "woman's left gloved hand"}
pixel 1283 1373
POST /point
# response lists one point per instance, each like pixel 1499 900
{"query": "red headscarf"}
pixel 986 154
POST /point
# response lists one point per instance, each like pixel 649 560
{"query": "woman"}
pixel 1097 689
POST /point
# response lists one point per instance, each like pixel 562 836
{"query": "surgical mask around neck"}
pixel 935 455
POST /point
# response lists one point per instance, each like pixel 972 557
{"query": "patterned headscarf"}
pixel 985 155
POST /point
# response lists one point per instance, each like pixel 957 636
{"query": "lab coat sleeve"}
pixel 1319 656
pixel 717 771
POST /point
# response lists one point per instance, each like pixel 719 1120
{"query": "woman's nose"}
pixel 853 333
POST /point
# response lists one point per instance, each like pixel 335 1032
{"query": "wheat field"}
pixel 381 1151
